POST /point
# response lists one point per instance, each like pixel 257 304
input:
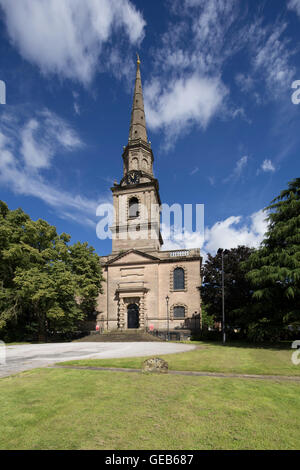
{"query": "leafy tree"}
pixel 84 262
pixel 274 270
pixel 207 320
pixel 238 291
pixel 46 284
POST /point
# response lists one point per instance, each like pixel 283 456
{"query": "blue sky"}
pixel 217 79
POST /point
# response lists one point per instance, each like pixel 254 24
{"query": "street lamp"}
pixel 168 327
pixel 223 301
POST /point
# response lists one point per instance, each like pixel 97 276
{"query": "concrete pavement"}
pixel 24 357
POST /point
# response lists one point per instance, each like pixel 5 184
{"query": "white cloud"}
pixel 267 166
pixel 76 104
pixel 28 149
pixel 212 180
pixel 191 100
pixel 294 5
pixel 202 38
pixel 238 170
pixel 231 232
pixel 188 85
pixel 227 234
pixel 69 37
pixel 245 82
pixel 178 241
pixel 271 58
pixel 40 140
pixel 194 171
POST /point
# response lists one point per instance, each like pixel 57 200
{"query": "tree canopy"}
pixel 238 290
pixel 46 284
pixel 274 269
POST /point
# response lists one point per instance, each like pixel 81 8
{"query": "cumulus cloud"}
pixel 235 231
pixel 70 37
pixel 27 150
pixel 193 99
pixel 227 234
pixel 178 240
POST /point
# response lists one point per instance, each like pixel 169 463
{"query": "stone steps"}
pixel 128 336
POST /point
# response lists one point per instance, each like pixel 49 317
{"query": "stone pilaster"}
pixel 142 312
pixel 121 312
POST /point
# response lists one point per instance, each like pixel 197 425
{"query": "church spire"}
pixel 138 122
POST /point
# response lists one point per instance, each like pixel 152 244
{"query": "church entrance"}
pixel 133 316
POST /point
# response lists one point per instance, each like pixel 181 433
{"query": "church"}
pixel 145 287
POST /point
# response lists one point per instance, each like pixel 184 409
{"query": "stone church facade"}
pixel 144 286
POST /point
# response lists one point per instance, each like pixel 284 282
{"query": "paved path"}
pixel 289 378
pixel 30 356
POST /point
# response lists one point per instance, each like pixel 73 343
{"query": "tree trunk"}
pixel 42 336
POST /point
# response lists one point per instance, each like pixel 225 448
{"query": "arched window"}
pixel 179 311
pixel 145 164
pixel 178 279
pixel 134 164
pixel 134 207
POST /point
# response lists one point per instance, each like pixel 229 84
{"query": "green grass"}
pixel 211 357
pixel 83 409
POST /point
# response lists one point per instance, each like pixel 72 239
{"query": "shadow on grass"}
pixel 282 346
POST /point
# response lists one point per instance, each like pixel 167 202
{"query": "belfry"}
pixel 145 288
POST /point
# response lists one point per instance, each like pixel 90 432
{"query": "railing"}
pixel 180 253
pixel 171 335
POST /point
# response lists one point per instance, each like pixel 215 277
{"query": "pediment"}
pixel 132 257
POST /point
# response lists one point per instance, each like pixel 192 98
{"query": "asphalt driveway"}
pixel 24 357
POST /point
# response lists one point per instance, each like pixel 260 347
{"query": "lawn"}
pixel 212 357
pixel 86 409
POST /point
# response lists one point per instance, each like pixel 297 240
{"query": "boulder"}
pixel 155 364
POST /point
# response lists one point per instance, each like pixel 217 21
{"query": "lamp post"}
pixel 168 326
pixel 223 301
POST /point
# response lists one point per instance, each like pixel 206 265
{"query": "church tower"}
pixel 140 277
pixel 136 198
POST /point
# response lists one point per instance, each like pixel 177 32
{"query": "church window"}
pixel 178 279
pixel 179 311
pixel 134 163
pixel 134 207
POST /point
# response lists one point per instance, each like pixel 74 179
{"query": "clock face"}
pixel 133 178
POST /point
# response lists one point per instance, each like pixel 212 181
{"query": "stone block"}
pixel 155 364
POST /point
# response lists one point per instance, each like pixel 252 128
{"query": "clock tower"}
pixel 136 198
pixel 139 276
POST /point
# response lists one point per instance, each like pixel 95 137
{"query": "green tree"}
pixel 238 290
pixel 274 270
pixel 46 284
pixel 85 263
pixel 208 321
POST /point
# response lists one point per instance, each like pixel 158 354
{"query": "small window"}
pixel 179 312
pixel 134 164
pixel 178 279
pixel 133 207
